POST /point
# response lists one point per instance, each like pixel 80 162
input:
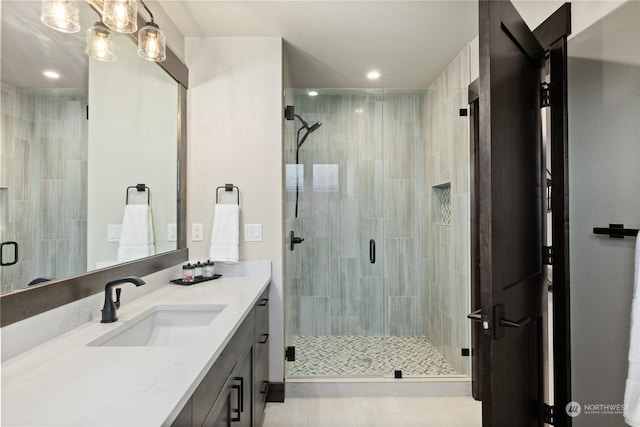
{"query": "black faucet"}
pixel 110 306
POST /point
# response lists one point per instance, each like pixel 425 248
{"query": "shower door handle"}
pixel 294 240
pixel 372 251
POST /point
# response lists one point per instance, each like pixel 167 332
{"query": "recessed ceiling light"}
pixel 373 75
pixel 312 93
pixel 51 74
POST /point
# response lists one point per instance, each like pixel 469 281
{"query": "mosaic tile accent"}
pixel 442 204
pixel 340 356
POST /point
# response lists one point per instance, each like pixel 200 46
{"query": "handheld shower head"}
pixel 315 127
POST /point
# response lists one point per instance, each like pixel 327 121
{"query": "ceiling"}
pixel 29 47
pixel 333 44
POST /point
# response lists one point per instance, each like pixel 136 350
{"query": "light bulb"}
pixel 101 47
pixel 99 43
pixel 120 15
pixel 61 15
pixel 152 45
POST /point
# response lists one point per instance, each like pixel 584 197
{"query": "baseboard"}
pixel 378 387
pixel 276 392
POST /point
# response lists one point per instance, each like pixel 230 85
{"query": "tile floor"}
pixel 375 411
pixel 340 356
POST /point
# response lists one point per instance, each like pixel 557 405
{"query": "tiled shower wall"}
pixel 362 180
pixel 44 174
pixel 447 164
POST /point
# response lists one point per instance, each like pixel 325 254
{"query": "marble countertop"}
pixel 64 382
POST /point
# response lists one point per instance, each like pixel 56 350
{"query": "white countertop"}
pixel 64 382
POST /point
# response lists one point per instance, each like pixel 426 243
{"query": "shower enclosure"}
pixel 379 193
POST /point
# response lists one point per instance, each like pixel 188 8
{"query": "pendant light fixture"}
pixel 99 43
pixel 61 15
pixel 116 15
pixel 121 15
pixel 152 44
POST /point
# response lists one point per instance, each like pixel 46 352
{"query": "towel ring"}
pixel 140 188
pixel 228 187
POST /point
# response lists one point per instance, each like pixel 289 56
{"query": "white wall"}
pixel 604 178
pixel 235 116
pixel 133 112
pixel 583 12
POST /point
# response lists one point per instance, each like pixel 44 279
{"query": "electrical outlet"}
pixel 172 232
pixel 197 234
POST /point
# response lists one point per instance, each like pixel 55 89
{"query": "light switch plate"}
pixel 113 232
pixel 172 232
pixel 253 232
pixel 197 233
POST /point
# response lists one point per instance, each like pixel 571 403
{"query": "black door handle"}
pixel 517 324
pixel 294 240
pixel 372 251
pixel 498 319
pixel 475 316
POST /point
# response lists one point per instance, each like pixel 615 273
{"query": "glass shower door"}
pixel 334 302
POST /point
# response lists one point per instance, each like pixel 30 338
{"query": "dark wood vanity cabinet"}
pixel 261 358
pixel 233 393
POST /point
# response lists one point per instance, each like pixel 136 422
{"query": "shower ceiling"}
pixel 333 44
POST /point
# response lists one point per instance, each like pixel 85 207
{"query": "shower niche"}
pixel 441 204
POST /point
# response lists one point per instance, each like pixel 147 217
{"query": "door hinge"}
pixel 290 354
pixel 545 95
pixel 547 255
pixel 549 414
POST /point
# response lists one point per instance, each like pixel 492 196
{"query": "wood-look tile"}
pixel 313 316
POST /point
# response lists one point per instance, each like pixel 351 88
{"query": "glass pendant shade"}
pixel 61 15
pixel 152 44
pixel 121 15
pixel 99 43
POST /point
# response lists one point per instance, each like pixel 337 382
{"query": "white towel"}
pixel 225 236
pixel 136 240
pixel 632 389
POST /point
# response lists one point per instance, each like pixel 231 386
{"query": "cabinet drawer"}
pixel 213 383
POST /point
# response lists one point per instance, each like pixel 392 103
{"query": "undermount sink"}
pixel 162 326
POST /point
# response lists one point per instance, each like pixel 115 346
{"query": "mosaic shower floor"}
pixel 332 356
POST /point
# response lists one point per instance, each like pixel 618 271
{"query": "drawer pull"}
pixel 265 338
pixel 263 302
pixel 237 410
pixel 265 387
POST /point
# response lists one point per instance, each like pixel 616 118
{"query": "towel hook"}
pixel 229 188
pixel 140 188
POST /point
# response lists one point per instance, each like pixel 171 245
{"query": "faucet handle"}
pixel 117 302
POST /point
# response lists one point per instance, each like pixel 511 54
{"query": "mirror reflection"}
pixel 72 144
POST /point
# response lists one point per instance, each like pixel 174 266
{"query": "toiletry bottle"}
pixel 198 271
pixel 188 273
pixel 209 269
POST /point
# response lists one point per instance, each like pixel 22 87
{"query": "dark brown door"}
pixel 510 219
